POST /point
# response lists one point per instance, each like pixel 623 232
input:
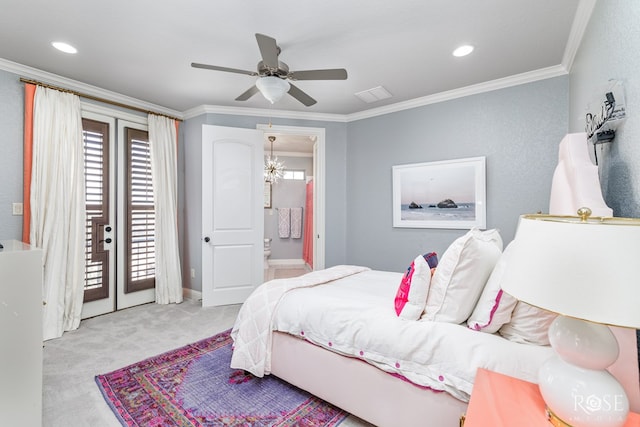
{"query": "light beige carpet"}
pixel 284 273
pixel 105 343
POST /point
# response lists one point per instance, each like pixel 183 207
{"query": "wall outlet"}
pixel 193 273
pixel 17 209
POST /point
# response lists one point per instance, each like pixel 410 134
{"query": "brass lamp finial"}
pixel 584 214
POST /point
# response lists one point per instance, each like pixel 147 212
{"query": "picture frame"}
pixel 441 194
pixel 267 195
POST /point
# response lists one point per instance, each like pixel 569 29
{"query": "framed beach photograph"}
pixel 444 194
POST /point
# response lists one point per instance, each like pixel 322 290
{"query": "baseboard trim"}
pixel 190 294
pixel 279 262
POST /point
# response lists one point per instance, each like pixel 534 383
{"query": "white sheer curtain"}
pixel 164 173
pixel 58 207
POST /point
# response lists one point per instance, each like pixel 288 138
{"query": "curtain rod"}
pixel 95 98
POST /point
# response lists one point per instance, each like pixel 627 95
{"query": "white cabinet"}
pixel 20 334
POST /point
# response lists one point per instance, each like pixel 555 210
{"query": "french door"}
pixel 120 247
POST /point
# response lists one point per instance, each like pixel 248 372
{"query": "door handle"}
pixel 207 239
pixel 107 240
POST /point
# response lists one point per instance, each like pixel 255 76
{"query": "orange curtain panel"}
pixel 29 93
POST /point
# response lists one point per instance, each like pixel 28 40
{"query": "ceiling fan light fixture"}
pixel 272 88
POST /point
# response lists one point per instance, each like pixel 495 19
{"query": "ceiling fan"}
pixel 274 76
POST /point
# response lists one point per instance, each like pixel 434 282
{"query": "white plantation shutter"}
pixel 96 277
pixel 141 259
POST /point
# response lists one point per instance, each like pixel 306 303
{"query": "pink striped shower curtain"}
pixel 307 242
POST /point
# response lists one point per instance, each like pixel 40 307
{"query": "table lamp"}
pixel 586 269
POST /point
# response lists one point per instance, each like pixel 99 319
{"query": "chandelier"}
pixel 273 169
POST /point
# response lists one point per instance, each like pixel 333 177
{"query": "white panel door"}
pixel 232 214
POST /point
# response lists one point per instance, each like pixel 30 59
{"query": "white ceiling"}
pixel 143 48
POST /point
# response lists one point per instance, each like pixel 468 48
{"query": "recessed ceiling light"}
pixel 463 50
pixel 64 47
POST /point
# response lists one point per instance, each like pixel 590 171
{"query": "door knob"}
pixel 207 239
pixel 107 240
pixel 107 229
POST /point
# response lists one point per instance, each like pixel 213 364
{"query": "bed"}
pixel 342 335
pixel 336 334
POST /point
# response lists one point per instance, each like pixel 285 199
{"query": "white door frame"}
pixel 318 185
pixel 117 300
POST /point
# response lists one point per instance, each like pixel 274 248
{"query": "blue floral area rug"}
pixel 194 386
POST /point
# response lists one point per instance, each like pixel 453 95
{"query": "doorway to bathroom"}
pixel 294 212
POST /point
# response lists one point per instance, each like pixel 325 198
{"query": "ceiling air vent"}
pixel 372 95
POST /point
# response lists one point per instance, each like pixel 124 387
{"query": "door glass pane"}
pixel 96 170
pixel 140 214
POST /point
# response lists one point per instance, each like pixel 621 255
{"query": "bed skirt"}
pixel 359 388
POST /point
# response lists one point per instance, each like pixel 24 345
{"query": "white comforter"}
pixel 355 317
pixel 252 330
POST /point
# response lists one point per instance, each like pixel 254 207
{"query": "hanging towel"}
pixel 296 223
pixel 284 222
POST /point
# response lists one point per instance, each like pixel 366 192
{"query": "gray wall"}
pixel 11 137
pixel 287 194
pixel 518 129
pixel 609 50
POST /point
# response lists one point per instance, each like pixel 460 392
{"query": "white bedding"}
pixel 355 316
pixel 251 332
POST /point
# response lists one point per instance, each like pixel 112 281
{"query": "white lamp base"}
pixel 575 384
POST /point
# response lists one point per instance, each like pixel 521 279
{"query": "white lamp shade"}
pixel 583 269
pixel 272 88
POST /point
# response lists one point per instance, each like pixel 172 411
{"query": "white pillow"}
pixel 414 287
pixel 494 306
pixel 461 275
pixel 528 325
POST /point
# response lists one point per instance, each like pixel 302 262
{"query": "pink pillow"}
pixel 414 287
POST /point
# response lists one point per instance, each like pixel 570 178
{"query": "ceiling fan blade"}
pixel 248 93
pixel 268 50
pixel 332 74
pixel 229 70
pixel 301 96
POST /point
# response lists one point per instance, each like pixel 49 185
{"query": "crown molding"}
pixel 260 112
pixel 518 79
pixel 580 22
pixel 76 86
pixel 515 80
